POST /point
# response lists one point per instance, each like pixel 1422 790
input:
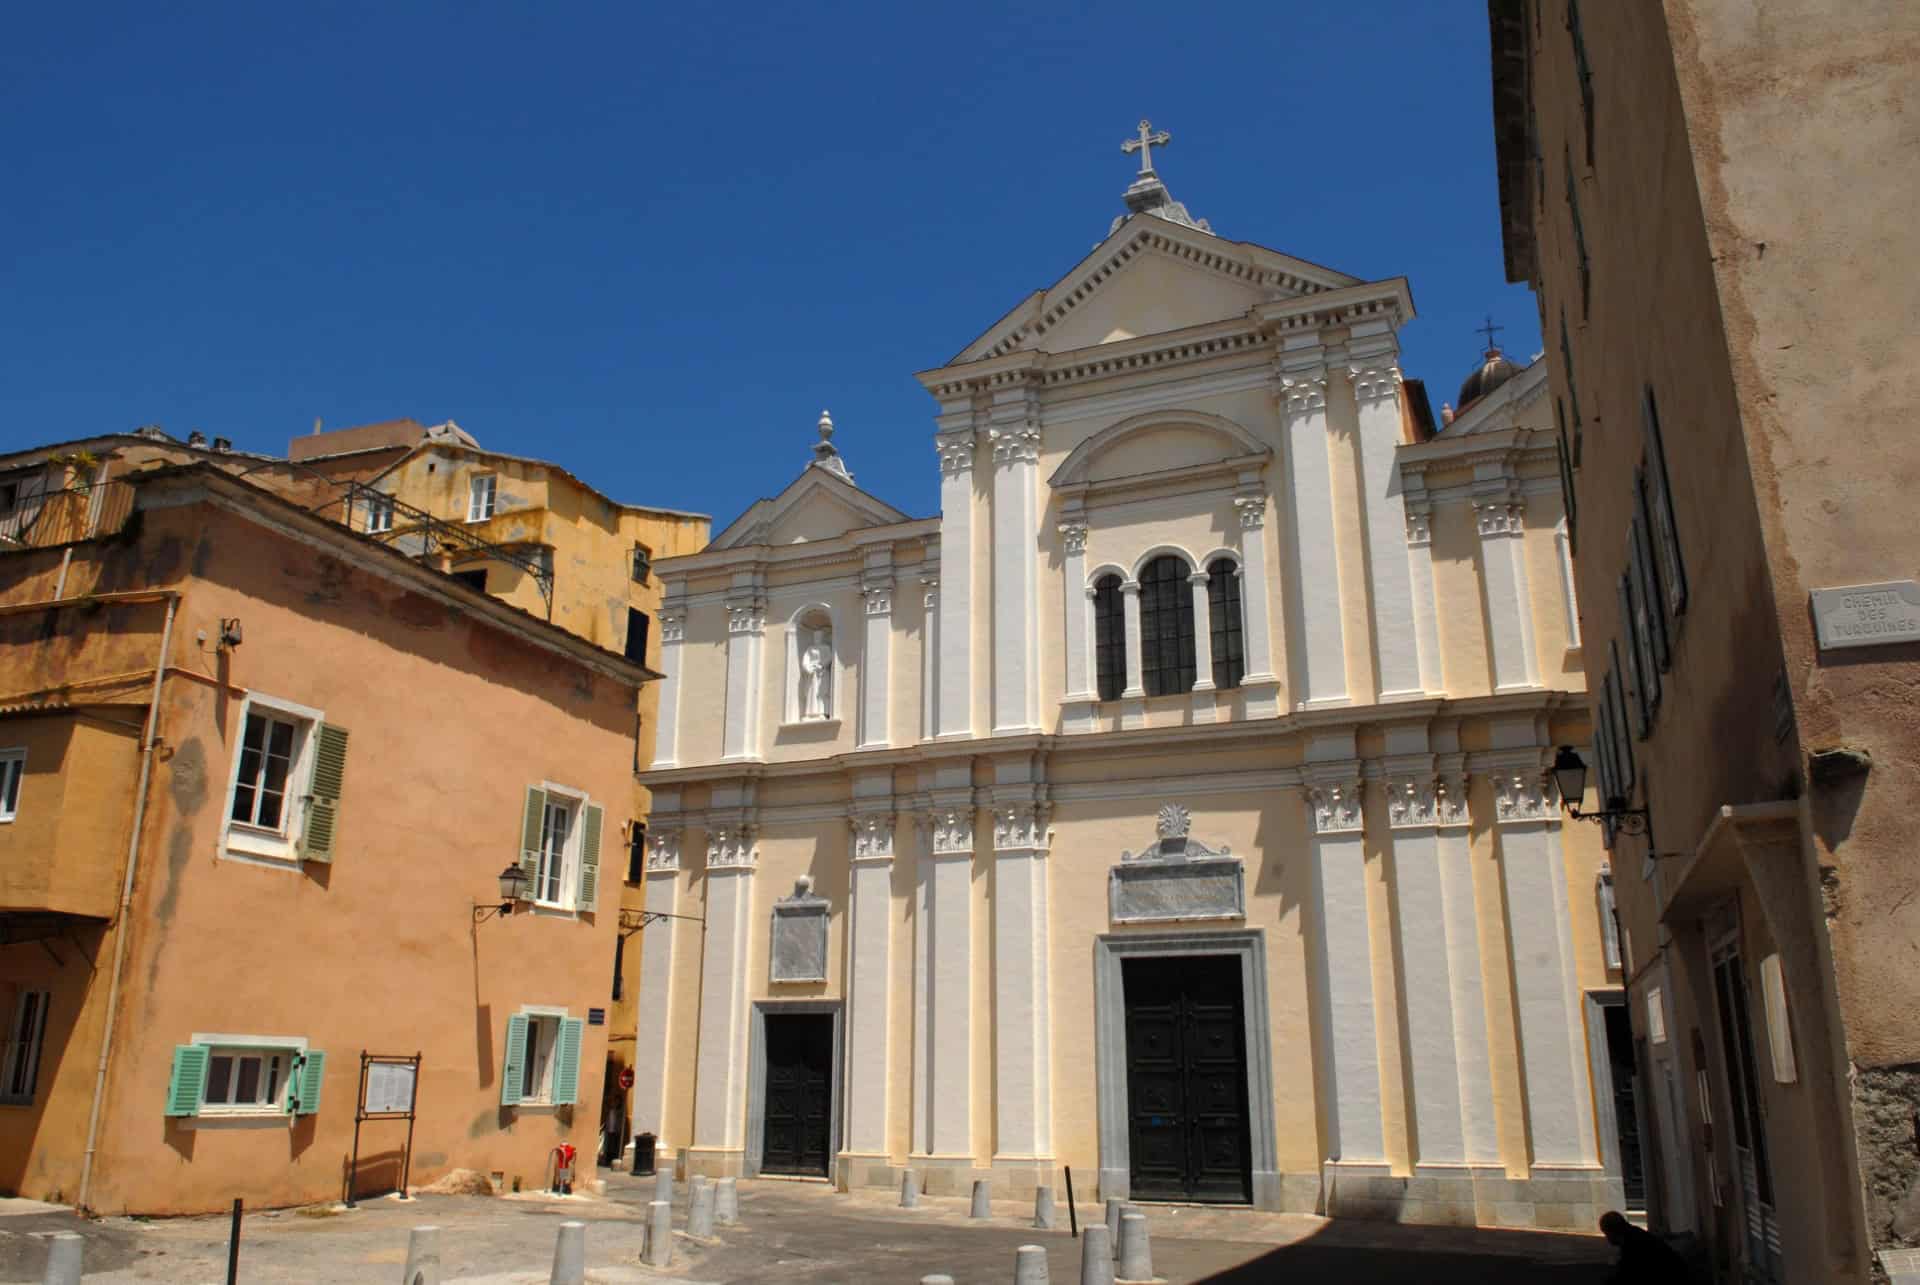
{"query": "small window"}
pixel 1110 638
pixel 560 848
pixel 474 579
pixel 241 1079
pixel 13 766
pixel 1167 664
pixel 642 563
pixel 25 1036
pixel 379 514
pixel 619 966
pixel 480 498
pixel 637 623
pixel 536 1083
pixel 556 832
pixel 268 748
pixel 1223 618
pixel 636 854
pixel 9 498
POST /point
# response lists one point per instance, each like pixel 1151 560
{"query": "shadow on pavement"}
pixel 1330 1255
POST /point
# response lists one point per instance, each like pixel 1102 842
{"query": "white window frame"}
pixel 379 514
pixel 539 1017
pixel 576 802
pixel 24 1053
pixel 13 772
pixel 241 841
pixel 226 1044
pixel 480 509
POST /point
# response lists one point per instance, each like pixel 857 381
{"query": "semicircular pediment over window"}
pixel 1160 443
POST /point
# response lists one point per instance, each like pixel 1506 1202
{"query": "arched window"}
pixel 1109 638
pixel 1166 627
pixel 1223 615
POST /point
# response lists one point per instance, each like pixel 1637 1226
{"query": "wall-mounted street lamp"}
pixel 513 886
pixel 1570 775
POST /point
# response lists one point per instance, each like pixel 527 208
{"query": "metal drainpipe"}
pixel 120 923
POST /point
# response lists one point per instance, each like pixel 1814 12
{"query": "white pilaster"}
pixel 1322 664
pixel 1351 1078
pixel 1203 706
pixel 1454 853
pixel 876 659
pixel 1016 591
pixel 1426 601
pixel 1077 612
pixel 1552 1041
pixel 666 723
pixel 720 1092
pixel 1261 686
pixel 1133 695
pixel 1023 1058
pixel 942 1109
pixel 1501 521
pixel 929 656
pixel 1396 640
pixel 746 624
pixel 869 938
pixel 955 632
pixel 653 1026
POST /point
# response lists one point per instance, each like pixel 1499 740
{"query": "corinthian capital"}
pixel 1374 382
pixel 1015 445
pixel 956 454
pixel 1333 807
pixel 1304 392
pixel 1074 536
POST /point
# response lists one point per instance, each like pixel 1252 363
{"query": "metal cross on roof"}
pixel 1488 330
pixel 1145 144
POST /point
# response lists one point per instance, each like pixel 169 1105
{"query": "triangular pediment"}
pixel 1150 276
pixel 820 504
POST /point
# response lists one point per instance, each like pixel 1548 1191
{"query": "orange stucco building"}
pixel 236 852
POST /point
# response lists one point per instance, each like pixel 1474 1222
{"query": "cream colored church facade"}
pixel 1173 806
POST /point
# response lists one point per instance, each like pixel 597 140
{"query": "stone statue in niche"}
pixel 816 676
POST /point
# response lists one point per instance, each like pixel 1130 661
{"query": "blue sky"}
pixel 652 242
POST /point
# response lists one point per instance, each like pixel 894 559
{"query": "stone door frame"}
pixel 1110 1048
pixel 756 1140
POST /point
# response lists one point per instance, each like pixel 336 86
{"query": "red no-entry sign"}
pixel 626 1077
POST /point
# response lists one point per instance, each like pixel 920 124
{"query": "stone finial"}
pixel 825 454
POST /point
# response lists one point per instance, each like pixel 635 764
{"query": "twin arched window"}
pixel 1168 656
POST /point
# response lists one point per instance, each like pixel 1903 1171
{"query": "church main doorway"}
pixel 1187 1124
pixel 799 1094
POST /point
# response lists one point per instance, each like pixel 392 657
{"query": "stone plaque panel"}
pixel 798 951
pixel 1159 892
pixel 1867 615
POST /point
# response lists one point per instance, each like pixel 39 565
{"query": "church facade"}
pixel 1174 806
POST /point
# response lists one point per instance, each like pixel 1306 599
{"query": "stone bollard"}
pixel 659 1233
pixel 936 1280
pixel 570 1255
pixel 909 1191
pixel 663 1181
pixel 1115 1207
pixel 1096 1255
pixel 64 1251
pixel 1043 1208
pixel 423 1257
pixel 1030 1265
pixel 1136 1257
pixel 700 1209
pixel 726 1202
pixel 982 1207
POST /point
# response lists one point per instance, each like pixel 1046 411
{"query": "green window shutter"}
pixel 515 1069
pixel 189 1080
pixel 323 792
pixel 303 1086
pixel 532 821
pixel 590 859
pixel 566 1063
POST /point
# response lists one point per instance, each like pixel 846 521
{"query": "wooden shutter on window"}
pixel 189 1079
pixel 566 1062
pixel 303 1085
pixel 514 1069
pixel 590 859
pixel 532 822
pixel 323 792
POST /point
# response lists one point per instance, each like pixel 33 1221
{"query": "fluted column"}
pixel 1501 520
pixel 1016 591
pixel 1546 994
pixel 954 713
pixel 1396 640
pixel 746 623
pixel 876 593
pixel 1261 685
pixel 1350 1080
pixel 1322 665
pixel 1022 1045
pixel 666 722
pixel 869 940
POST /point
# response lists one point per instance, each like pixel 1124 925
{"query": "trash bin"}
pixel 643 1153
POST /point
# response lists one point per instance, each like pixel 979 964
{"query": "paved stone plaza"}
pixel 788 1231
